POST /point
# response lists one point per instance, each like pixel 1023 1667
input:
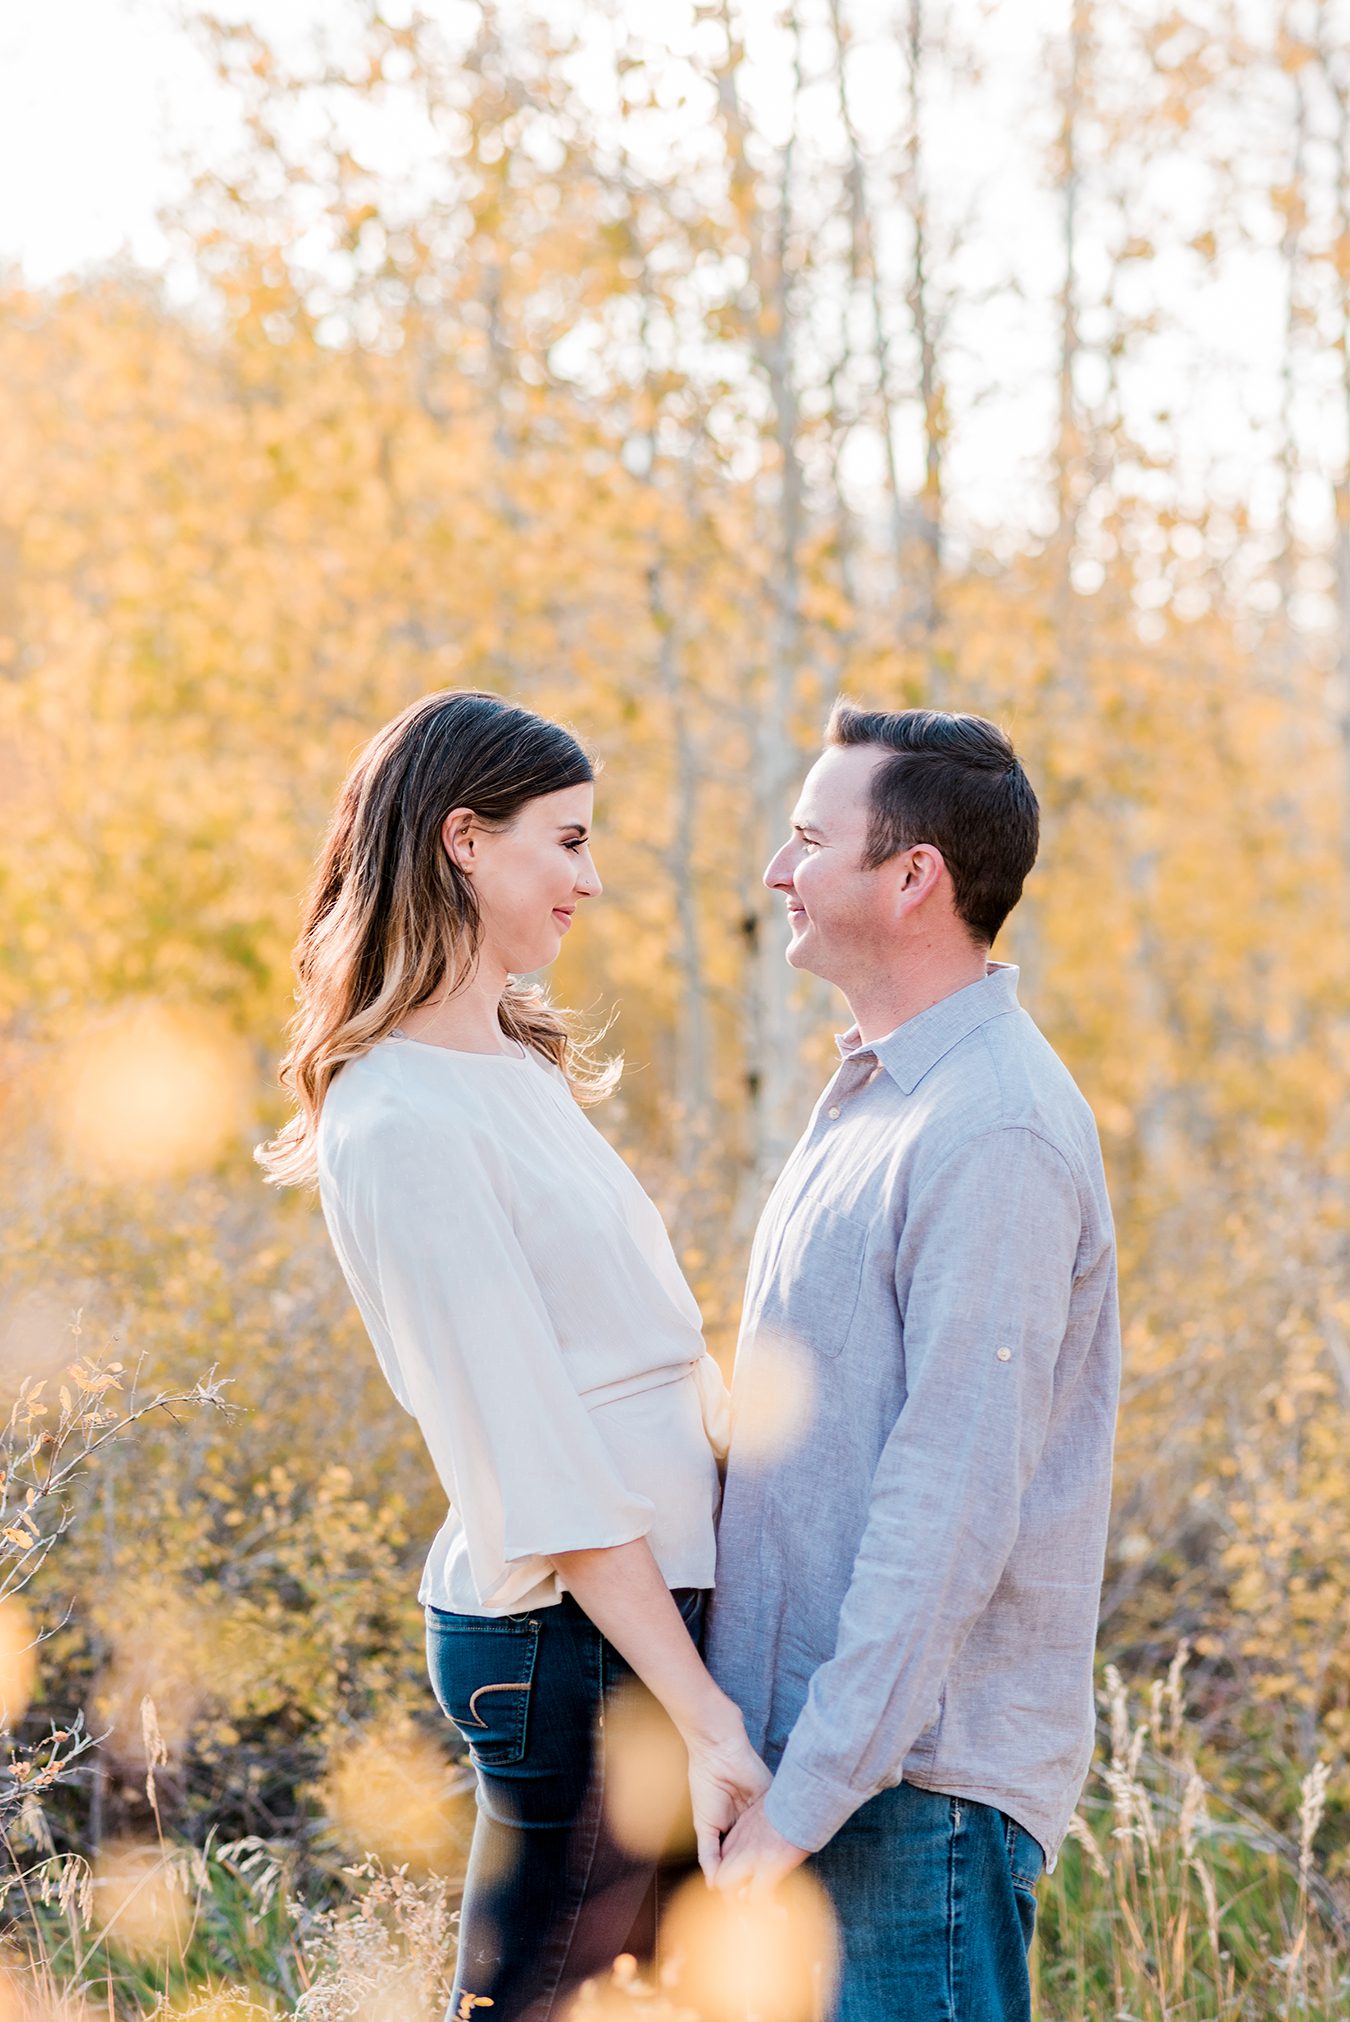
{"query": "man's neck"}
pixel 881 1002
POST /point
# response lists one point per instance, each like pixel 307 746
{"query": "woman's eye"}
pixel 577 843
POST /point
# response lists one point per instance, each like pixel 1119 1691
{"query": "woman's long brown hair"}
pixel 390 916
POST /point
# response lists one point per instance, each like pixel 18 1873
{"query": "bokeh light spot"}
pixel 142 1907
pixel 149 1091
pixel 18 1660
pixel 754 1957
pixel 390 1795
pixel 773 1396
pixel 646 1776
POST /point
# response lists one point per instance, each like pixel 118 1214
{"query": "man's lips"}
pixel 796 912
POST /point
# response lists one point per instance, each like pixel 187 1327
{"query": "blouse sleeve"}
pixel 715 1402
pixel 516 1449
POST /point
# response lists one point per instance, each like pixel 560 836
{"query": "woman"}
pixel 525 1305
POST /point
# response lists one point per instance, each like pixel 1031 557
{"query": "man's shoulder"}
pixel 1005 1076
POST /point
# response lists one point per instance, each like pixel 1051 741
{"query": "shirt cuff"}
pixel 808 1809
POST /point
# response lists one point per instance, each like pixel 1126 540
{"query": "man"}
pixel 913 1526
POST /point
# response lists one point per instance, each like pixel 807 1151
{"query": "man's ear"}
pixel 923 868
pixel 926 864
pixel 916 864
pixel 459 834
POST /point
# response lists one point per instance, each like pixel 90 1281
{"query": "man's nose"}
pixel 778 876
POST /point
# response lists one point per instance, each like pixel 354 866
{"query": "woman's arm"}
pixel 621 1588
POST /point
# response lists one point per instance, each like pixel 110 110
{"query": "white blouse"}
pixel 526 1306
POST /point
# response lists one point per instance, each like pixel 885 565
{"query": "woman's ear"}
pixel 459 835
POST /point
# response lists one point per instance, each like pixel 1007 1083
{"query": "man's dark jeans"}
pixel 550 1897
pixel 936 1902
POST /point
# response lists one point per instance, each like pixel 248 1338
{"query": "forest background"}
pixel 673 376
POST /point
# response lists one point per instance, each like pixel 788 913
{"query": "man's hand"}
pixel 754 1854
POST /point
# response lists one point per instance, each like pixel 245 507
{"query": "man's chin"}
pixel 798 951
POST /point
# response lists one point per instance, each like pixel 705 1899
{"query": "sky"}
pixel 98 98
pixel 101 101
pixel 95 97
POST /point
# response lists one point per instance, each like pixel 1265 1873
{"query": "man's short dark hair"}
pixel 954 782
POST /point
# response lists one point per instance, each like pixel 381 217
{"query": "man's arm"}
pixel 983 1278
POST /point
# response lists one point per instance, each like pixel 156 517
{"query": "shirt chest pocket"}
pixel 812 1290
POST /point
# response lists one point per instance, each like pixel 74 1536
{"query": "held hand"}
pixel 724 1778
pixel 755 1856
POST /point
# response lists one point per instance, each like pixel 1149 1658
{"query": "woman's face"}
pixel 529 877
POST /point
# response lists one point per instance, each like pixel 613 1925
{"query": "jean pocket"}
pixel 1026 1859
pixel 482 1672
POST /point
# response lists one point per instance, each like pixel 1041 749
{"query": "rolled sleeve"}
pixel 479 1364
pixel 983 1279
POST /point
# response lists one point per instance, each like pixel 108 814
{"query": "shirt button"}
pixel 1005 1354
pixel 834 1111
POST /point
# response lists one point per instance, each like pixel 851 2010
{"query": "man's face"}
pixel 838 912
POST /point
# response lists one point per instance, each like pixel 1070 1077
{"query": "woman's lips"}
pixel 563 917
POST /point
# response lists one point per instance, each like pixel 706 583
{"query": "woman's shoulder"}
pixel 364 1085
pixel 373 1110
pixel 552 1070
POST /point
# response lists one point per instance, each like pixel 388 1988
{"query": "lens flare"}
pixel 21 2001
pixel 753 1958
pixel 390 1795
pixel 154 1652
pixel 149 1091
pixel 220 2007
pixel 620 1996
pixel 402 1993
pixel 141 1902
pixel 37 1339
pixel 646 1776
pixel 18 1660
pixel 772 1397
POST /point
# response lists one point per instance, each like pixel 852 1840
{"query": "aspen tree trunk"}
pixel 693 1039
pixel 927 585
pixel 845 412
pixel 1291 255
pixel 1335 67
pixel 1339 80
pixel 774 1077
pixel 916 527
pixel 1068 447
pixel 1066 459
pixel 692 1047
pixel 863 268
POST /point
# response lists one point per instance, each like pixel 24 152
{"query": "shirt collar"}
pixel 913 1048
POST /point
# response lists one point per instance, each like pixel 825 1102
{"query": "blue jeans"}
pixel 550 1897
pixel 936 1902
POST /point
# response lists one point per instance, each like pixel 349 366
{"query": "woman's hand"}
pixel 621 1589
pixel 725 1778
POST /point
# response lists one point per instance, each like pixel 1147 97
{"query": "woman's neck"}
pixel 468 1020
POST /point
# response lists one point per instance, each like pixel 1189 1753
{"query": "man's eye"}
pixel 810 843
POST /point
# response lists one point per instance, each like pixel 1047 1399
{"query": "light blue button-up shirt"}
pixel 914 1521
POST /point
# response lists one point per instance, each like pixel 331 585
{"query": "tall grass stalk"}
pixel 1171 1906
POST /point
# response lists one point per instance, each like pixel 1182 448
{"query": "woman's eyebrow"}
pixel 571 827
